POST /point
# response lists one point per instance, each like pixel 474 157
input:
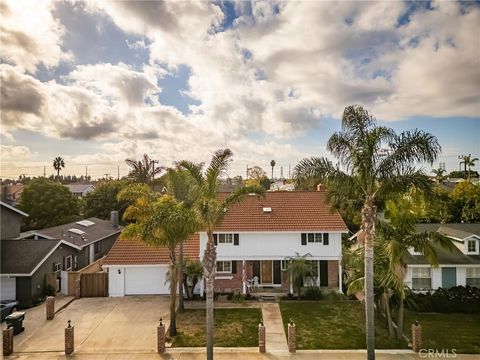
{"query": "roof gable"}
pixel 14 209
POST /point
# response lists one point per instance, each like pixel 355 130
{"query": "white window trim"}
pixel 475 244
pixel 422 277
pixel 315 234
pixel 225 242
pixel 68 268
pixel 57 266
pixel 223 272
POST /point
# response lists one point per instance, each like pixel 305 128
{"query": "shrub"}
pixel 50 290
pixel 312 293
pixel 237 298
pixel 457 299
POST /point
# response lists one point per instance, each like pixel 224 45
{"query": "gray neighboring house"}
pixel 80 190
pixel 458 267
pixel 25 264
pixel 10 220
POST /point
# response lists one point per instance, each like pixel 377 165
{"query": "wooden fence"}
pixel 94 285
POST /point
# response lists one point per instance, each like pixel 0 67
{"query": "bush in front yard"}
pixel 312 293
pixel 457 299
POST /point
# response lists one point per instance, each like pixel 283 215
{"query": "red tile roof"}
pixel 291 211
pixel 134 252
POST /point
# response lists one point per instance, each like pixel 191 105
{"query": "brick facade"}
pixel 333 274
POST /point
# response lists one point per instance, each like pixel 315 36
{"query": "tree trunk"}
pixel 368 226
pixel 172 329
pixel 386 300
pixel 181 305
pixel 209 272
pixel 400 320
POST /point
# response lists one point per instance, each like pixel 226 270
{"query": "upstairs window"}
pixel 226 238
pixel 312 238
pixel 472 246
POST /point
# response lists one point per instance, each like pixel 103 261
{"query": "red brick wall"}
pixel 232 284
pixel 333 274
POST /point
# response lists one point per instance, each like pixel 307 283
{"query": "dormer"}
pixel 471 245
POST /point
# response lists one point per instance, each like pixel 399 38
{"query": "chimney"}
pixel 114 218
pixel 320 187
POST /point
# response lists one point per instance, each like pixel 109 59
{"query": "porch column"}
pixel 340 276
pixel 202 283
pixel 244 278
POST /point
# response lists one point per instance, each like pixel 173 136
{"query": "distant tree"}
pixel 103 200
pixel 470 162
pixel 258 177
pixel 462 174
pixel 48 203
pixel 265 182
pixel 144 170
pixel 58 164
pixel 256 173
pixel 466 202
pixel 439 177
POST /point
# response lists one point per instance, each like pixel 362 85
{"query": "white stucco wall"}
pixel 461 272
pixel 275 246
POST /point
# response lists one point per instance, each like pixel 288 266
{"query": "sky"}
pixel 97 82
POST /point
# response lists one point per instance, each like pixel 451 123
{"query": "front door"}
pixel 267 274
pixel 449 277
pixel 323 273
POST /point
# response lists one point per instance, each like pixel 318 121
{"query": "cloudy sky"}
pixel 97 82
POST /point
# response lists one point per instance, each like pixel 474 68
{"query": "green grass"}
pixel 233 328
pixel 447 331
pixel 333 325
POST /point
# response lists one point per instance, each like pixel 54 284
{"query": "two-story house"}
pixel 256 240
pixel 458 267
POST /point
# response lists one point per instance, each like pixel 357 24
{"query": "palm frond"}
pixel 218 166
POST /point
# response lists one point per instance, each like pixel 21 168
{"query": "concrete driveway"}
pixel 103 325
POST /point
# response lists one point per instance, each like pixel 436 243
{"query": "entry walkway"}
pixel 272 319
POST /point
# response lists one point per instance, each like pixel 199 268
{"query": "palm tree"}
pixel 180 186
pixel 58 164
pixel 298 269
pixel 162 222
pixel 144 170
pixel 469 162
pixel 439 174
pixel 210 210
pixel 376 162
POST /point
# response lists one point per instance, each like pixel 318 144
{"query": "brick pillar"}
pixel 77 289
pixel 292 337
pixel 69 339
pixel 416 337
pixel 7 341
pixel 50 307
pixel 261 337
pixel 161 337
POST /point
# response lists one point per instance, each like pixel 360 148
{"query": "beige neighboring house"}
pixel 80 190
pixel 14 192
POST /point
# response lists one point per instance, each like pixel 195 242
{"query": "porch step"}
pixel 269 298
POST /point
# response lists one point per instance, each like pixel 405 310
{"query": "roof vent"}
pixel 85 223
pixel 267 209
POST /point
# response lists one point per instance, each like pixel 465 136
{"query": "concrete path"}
pixel 272 318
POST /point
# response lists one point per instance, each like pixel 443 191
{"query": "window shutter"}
pixel 234 267
pixel 215 239
pixel 304 239
pixel 325 238
pixel 236 239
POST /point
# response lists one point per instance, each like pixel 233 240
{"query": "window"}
pixel 283 265
pixel 97 247
pixel 421 278
pixel 473 276
pixel 317 238
pixel 225 238
pixel 57 267
pixel 472 246
pixel 68 262
pixel 224 266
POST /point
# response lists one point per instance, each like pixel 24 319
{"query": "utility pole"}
pixel 118 172
pixel 464 162
pixel 153 168
pixel 289 174
pixel 86 172
pixel 44 171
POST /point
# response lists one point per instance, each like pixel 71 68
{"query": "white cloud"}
pixel 11 153
pixel 30 35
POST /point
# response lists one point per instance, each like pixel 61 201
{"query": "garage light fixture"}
pixel 119 271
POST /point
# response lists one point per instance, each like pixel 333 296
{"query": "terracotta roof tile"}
pixel 134 252
pixel 291 211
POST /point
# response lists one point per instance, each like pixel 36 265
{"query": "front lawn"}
pixel 233 328
pixel 447 331
pixel 333 325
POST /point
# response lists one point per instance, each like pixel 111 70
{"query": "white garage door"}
pixel 8 288
pixel 146 281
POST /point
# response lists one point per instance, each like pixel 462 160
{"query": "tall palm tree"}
pixel 144 170
pixel 58 164
pixel 272 164
pixel 162 222
pixel 210 210
pixel 439 174
pixel 179 185
pixel 373 161
pixel 469 162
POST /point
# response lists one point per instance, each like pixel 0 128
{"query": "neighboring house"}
pixel 80 190
pixel 256 239
pixel 459 267
pixel 94 237
pixel 25 263
pixel 281 185
pixel 135 268
pixel 13 193
pixel 10 220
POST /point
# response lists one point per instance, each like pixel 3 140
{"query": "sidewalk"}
pixel 272 319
